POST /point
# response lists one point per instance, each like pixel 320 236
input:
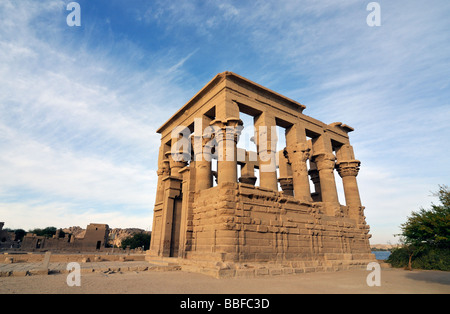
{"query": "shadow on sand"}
pixel 432 276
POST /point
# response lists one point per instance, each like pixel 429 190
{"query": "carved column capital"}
pixel 299 152
pixel 297 155
pixel 228 129
pixel 348 168
pixel 164 169
pixel 202 146
pixel 325 161
pixel 226 134
pixel 177 159
pixel 248 179
pixel 287 185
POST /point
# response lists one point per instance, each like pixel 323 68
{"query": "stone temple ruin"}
pixel 212 205
pixel 95 238
pixel 7 238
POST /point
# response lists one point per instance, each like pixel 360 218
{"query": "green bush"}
pixel 19 233
pixel 430 258
pixel 137 240
pixel 426 237
pixel 46 232
pixel 399 257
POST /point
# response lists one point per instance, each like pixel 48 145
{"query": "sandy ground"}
pixel 396 281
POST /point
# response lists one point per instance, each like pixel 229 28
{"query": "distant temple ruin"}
pixel 7 238
pixel 284 218
pixel 95 238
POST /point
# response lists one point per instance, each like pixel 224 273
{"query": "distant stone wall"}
pixel 95 238
pixel 7 238
pixel 37 257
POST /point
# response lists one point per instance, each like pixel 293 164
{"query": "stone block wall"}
pixel 240 222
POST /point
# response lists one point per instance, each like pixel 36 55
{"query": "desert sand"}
pixel 393 281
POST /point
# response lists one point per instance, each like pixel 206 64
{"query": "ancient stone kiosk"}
pixel 220 203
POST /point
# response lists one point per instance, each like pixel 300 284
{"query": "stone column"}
pixel 202 155
pixel 226 134
pixel 325 165
pixel 177 161
pixel 186 212
pixel 314 175
pixel 163 171
pixel 172 190
pixel 348 169
pixel 203 172
pixel 325 161
pixel 298 154
pixel 285 179
pixel 248 170
pixel 266 143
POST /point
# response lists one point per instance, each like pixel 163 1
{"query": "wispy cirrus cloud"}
pixel 79 107
pixel 390 83
pixel 77 127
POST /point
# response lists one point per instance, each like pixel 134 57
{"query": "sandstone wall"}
pixel 253 224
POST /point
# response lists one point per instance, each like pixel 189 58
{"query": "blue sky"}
pixel 79 106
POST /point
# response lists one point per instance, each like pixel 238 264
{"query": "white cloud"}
pixel 229 11
pixel 70 174
pixel 386 82
pixel 87 117
pixel 39 214
pixel 77 128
